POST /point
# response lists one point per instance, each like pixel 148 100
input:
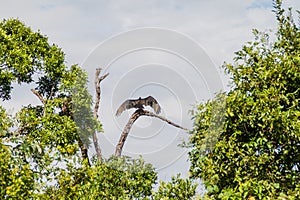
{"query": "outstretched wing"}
pixel 150 101
pixel 139 104
pixel 125 105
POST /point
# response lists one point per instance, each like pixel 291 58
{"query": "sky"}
pixel 172 50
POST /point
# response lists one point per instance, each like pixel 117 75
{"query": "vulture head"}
pixel 139 104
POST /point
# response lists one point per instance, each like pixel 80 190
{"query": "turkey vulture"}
pixel 139 104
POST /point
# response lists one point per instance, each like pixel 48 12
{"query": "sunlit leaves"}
pixel 178 188
pixel 116 178
pixel 5 122
pixel 81 107
pixel 258 149
pixel 16 180
pixel 24 53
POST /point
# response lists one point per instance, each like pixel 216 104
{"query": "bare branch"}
pixel 38 95
pixel 98 80
pixel 130 122
pixel 151 114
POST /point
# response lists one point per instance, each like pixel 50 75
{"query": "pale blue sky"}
pixel 221 27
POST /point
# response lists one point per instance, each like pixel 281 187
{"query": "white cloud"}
pixel 77 26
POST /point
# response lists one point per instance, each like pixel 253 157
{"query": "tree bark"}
pixel 98 80
pixel 130 122
pixel 84 151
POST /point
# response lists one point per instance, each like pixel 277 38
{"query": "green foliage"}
pixel 178 188
pixel 210 118
pixel 116 178
pixel 16 180
pixel 81 108
pixel 24 53
pixel 49 134
pixel 5 122
pixel 42 135
pixel 257 152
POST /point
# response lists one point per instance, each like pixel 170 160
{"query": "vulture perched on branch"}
pixel 139 104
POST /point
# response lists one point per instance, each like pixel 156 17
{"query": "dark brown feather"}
pixel 139 104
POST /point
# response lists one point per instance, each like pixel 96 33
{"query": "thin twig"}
pixel 151 114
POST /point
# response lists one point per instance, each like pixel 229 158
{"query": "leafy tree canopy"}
pixel 256 154
pixel 23 54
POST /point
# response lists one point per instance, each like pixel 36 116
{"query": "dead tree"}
pixel 132 119
pixel 98 80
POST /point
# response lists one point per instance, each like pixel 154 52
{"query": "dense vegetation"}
pixel 256 152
